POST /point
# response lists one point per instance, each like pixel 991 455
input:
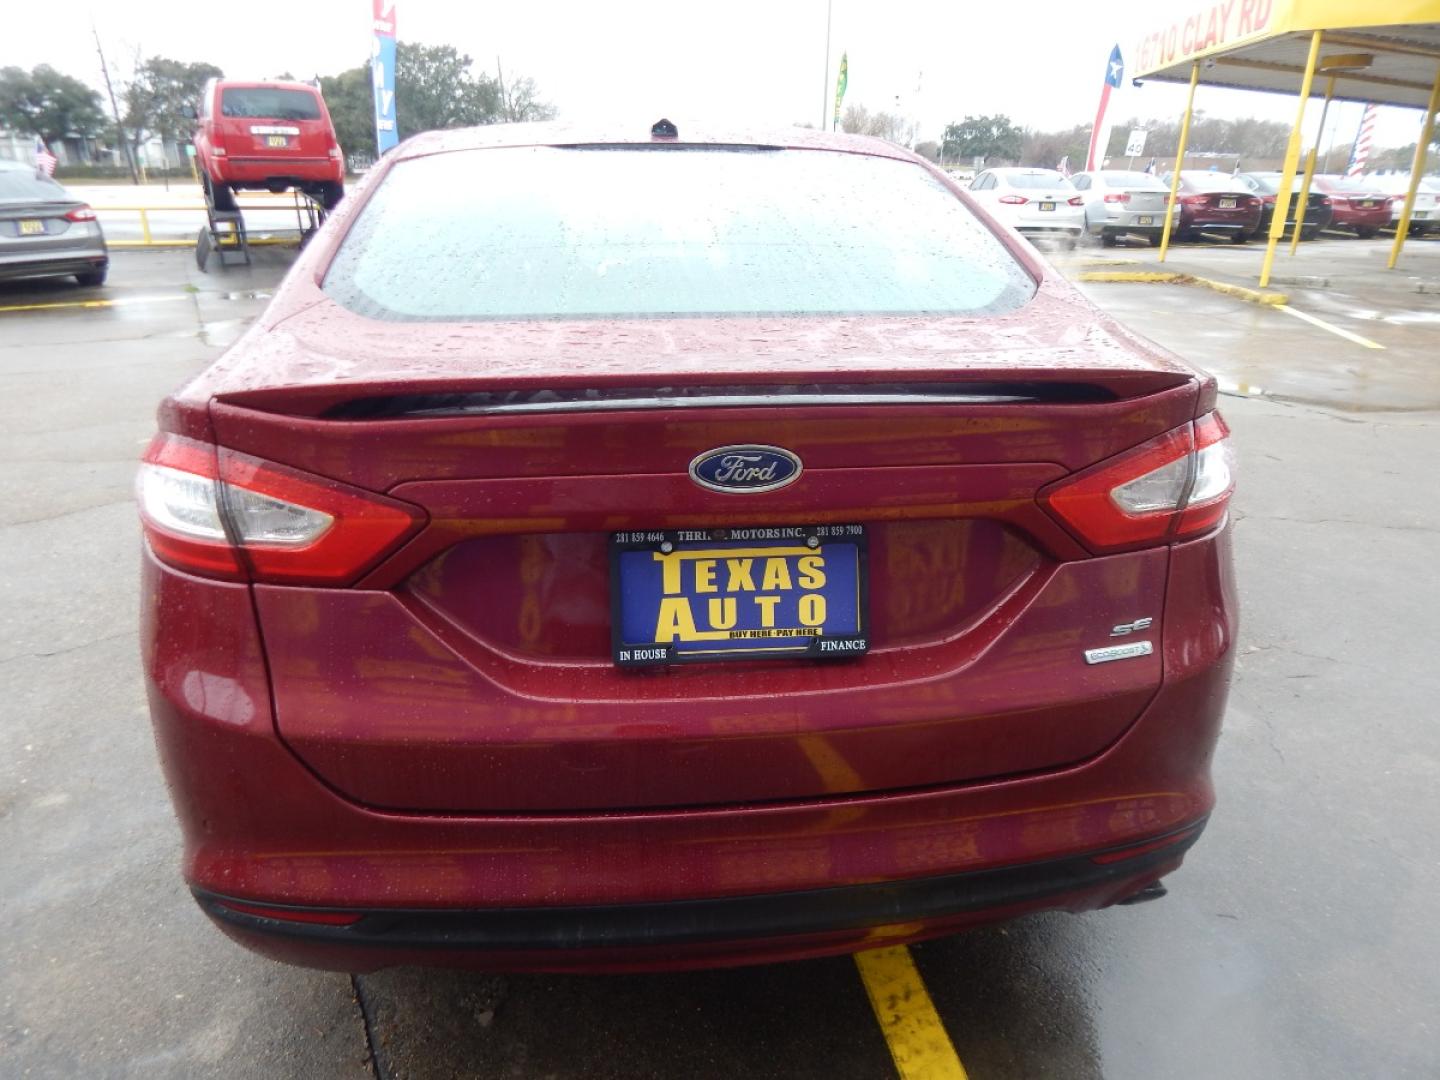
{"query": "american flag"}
pixel 45 161
pixel 1063 168
pixel 1360 152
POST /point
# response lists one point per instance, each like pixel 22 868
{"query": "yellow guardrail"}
pixel 147 238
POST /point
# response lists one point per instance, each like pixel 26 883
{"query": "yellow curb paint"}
pixel 1254 296
pixel 1172 277
pixel 94 303
pixel 1337 331
pixel 918 1043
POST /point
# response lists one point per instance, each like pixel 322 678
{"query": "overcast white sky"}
pixel 752 61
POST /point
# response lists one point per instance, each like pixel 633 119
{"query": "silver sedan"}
pixel 1119 202
pixel 45 232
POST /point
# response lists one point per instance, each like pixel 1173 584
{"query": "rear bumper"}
pixel 57 264
pixel 262 828
pixel 704 931
pixel 261 170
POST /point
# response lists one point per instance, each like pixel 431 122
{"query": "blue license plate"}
pixel 771 592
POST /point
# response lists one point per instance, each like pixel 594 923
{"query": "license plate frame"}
pixel 637 589
pixel 1047 205
pixel 1229 203
pixel 30 227
pixel 276 142
pixel 1146 219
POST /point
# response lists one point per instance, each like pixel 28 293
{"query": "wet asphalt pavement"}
pixel 1297 941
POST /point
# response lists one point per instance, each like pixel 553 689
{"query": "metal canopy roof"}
pixel 1389 49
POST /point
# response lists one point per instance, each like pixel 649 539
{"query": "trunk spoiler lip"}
pixel 476 398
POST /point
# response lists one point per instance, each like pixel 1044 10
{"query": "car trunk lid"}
pixel 472 670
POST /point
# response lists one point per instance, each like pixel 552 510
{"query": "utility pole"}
pixel 825 82
pixel 115 108
pixel 504 101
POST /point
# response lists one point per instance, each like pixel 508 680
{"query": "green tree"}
pixel 434 88
pixel 1045 149
pixel 163 96
pixel 994 137
pixel 47 103
pixel 348 96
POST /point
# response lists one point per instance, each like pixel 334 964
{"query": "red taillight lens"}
pixel 1176 485
pixel 232 516
pixel 1075 200
pixel 1014 200
pixel 81 213
pixel 1194 200
pixel 1118 197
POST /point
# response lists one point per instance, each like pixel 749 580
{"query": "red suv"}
pixel 679 551
pixel 269 136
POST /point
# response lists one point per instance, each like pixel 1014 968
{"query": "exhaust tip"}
pixel 1153 891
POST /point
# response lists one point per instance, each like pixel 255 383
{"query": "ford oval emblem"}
pixel 745 470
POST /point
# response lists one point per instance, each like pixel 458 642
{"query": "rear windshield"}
pixel 266 103
pixel 1266 182
pixel 24 185
pixel 1040 179
pixel 1137 181
pixel 1213 181
pixel 545 232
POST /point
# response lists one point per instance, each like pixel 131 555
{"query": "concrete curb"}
pixel 1175 277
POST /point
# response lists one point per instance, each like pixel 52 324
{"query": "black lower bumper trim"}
pixel 684 922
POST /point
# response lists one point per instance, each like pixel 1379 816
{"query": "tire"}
pixel 219 197
pixel 1310 232
pixel 1240 238
pixel 1108 239
pixel 1154 239
pixel 1365 232
pixel 94 278
pixel 329 194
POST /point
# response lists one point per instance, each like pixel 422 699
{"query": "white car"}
pixel 1037 202
pixel 1118 202
pixel 1426 215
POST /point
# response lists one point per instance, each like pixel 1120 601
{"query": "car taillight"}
pixel 1014 200
pixel 1194 200
pixel 1075 200
pixel 81 213
pixel 1174 486
pixel 334 153
pixel 223 514
pixel 1118 197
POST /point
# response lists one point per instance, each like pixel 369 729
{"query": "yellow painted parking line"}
pixel 916 1037
pixel 1337 331
pixel 120 302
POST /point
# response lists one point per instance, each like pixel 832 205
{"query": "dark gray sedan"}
pixel 45 231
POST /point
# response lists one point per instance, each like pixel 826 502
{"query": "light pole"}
pixel 825 82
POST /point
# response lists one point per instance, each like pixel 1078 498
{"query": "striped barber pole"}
pixel 1360 152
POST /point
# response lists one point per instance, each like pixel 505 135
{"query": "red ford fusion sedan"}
pixel 631 550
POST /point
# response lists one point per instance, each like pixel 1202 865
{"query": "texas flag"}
pixel 1100 133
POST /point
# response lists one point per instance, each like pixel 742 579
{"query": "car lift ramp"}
pixel 225 233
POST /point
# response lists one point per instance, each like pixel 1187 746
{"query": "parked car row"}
pixel 1106 204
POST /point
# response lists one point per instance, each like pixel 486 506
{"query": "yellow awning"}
pixel 1389 49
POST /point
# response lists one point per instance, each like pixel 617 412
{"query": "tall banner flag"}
pixel 841 82
pixel 1360 151
pixel 1100 133
pixel 382 73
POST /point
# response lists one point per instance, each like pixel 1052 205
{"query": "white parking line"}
pixel 1312 320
